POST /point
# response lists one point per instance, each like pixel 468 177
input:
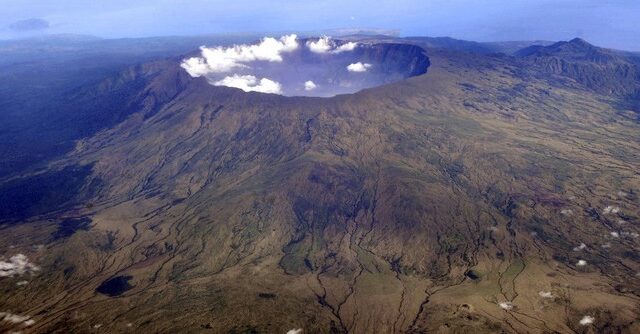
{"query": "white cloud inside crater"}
pixel 322 45
pixel 358 67
pixel 310 85
pixel 250 83
pixel 327 45
pixel 225 59
pixel 231 66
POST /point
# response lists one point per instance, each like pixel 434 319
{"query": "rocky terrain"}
pixel 493 194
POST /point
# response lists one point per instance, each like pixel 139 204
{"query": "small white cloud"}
pixel 506 305
pixel 587 320
pixel 250 83
pixel 225 59
pixel 615 234
pixel 350 46
pixel 17 265
pixel 295 331
pixel 326 45
pixel 323 45
pixel 21 283
pixel 545 294
pixel 581 263
pixel 580 247
pixel 309 85
pixel 358 67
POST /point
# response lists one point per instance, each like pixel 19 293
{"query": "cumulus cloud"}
pixel 250 83
pixel 322 45
pixel 295 331
pixel 225 59
pixel 29 25
pixel 349 46
pixel 358 67
pixel 309 85
pixel 219 60
pixel 587 320
pixel 326 45
pixel 581 263
pixel 17 265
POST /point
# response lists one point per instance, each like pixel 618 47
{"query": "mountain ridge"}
pixel 596 68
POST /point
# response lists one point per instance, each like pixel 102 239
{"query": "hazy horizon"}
pixel 608 24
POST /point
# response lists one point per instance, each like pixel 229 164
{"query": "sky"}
pixel 609 23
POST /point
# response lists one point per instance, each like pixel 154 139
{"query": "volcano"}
pixel 449 191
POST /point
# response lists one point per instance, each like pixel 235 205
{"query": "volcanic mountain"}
pixel 605 71
pixel 493 193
